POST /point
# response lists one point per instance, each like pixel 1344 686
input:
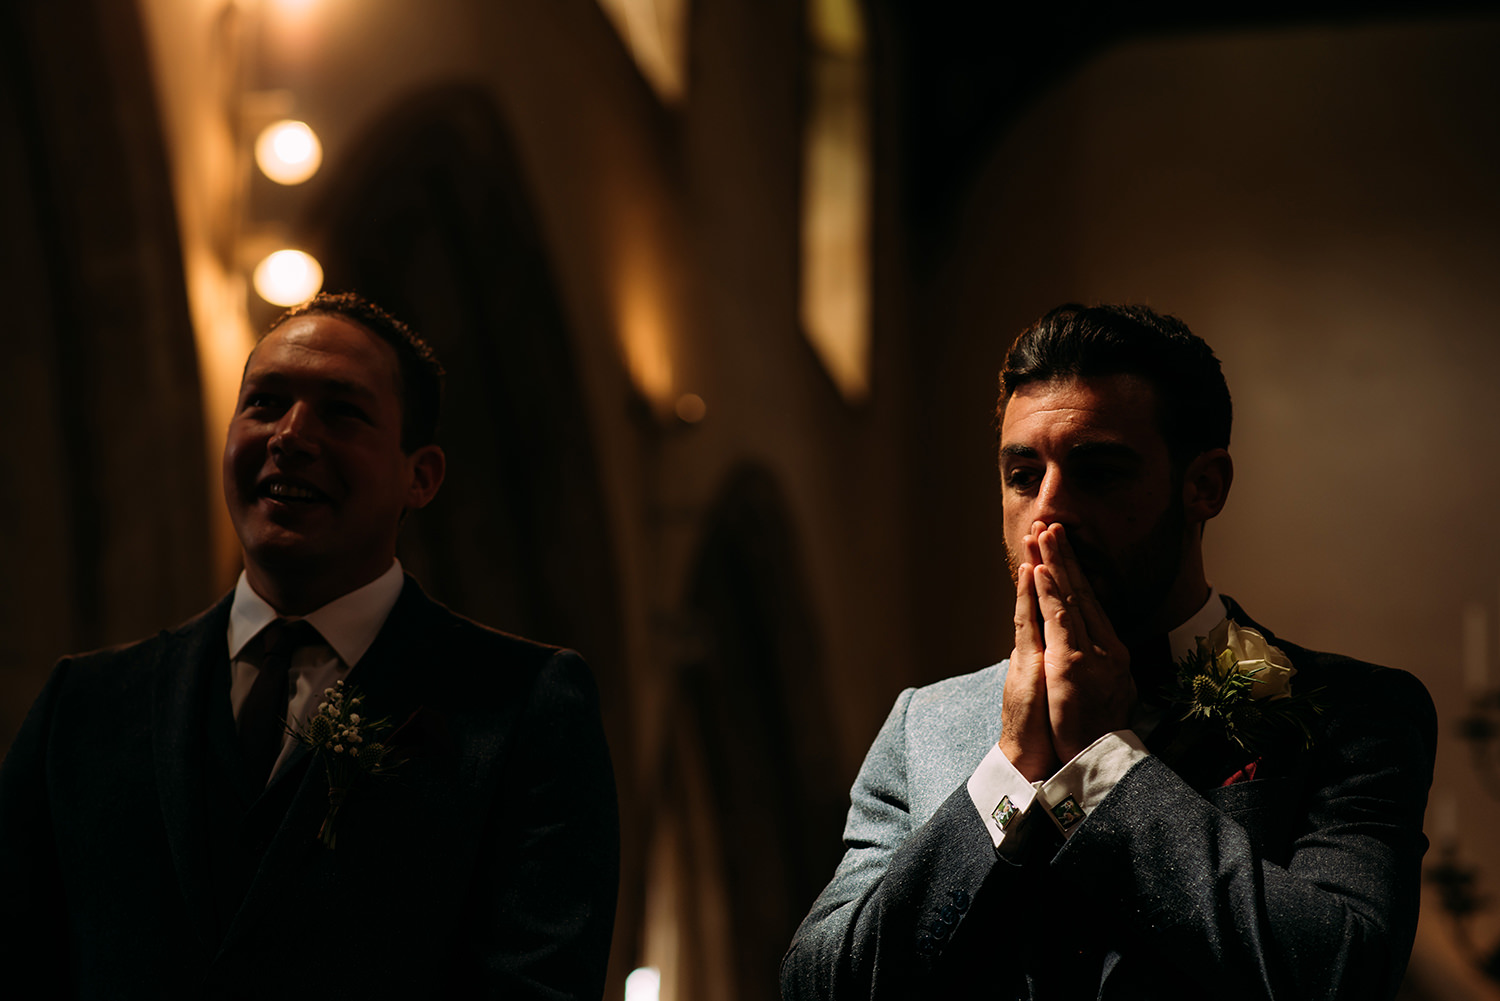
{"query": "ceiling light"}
pixel 288 277
pixel 288 152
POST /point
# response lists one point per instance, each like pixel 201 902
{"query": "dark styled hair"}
pixel 1073 341
pixel 420 372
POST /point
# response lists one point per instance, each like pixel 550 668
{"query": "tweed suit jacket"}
pixel 1299 884
pixel 134 863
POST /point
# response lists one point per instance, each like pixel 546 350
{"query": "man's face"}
pixel 314 475
pixel 1089 454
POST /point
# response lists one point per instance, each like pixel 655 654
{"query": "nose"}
pixel 294 434
pixel 1054 499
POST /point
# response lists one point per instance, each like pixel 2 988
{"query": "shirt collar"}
pixel 1184 639
pixel 348 624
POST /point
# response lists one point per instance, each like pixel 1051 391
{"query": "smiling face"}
pixel 314 475
pixel 1089 454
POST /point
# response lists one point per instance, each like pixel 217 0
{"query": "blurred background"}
pixel 723 287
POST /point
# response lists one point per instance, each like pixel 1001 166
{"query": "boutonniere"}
pixel 1238 684
pixel 349 744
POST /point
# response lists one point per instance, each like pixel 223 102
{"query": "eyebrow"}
pixel 278 380
pixel 1082 450
pixel 1103 450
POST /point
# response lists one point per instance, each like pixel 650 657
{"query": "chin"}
pixel 279 550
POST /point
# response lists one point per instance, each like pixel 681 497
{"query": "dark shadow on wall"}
pixel 428 215
pixel 761 711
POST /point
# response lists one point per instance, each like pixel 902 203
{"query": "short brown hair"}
pixel 422 375
pixel 1194 408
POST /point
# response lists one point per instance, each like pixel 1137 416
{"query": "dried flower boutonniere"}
pixel 1237 683
pixel 348 742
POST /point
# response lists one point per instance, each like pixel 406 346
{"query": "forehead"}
pixel 1073 410
pixel 329 348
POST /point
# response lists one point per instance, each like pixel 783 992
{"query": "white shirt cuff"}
pixel 1079 786
pixel 1003 798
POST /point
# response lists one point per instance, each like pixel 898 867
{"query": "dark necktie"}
pixel 262 717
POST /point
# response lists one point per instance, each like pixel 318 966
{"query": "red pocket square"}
pixel 1243 775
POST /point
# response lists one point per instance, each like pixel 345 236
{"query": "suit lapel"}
pixel 1265 808
pixel 384 674
pixel 950 727
pixel 1240 618
pixel 183 713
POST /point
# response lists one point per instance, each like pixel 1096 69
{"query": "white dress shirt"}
pixel 1007 802
pixel 348 625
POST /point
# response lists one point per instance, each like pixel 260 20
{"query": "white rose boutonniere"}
pixel 1245 651
pixel 1240 684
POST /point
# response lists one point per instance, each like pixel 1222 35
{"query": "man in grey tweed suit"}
pixel 1057 826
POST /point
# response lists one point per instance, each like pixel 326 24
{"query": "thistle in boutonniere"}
pixel 348 742
pixel 1239 684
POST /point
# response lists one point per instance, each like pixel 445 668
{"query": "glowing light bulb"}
pixel 288 152
pixel 643 984
pixel 288 277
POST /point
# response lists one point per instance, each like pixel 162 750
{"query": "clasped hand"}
pixel 1069 681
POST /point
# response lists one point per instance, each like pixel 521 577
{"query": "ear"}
pixel 428 464
pixel 1205 485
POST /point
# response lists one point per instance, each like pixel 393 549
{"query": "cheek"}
pixel 370 473
pixel 234 457
pixel 1016 517
pixel 1018 511
pixel 244 454
pixel 1140 523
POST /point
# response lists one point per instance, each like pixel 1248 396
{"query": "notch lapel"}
pixel 1240 618
pixel 181 717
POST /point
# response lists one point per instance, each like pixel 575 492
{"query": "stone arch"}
pixel 429 215
pixel 762 749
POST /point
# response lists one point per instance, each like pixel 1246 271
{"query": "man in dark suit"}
pixel 1152 797
pixel 163 835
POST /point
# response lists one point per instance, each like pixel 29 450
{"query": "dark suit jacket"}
pixel 1302 883
pixel 133 862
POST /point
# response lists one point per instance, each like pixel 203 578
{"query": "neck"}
pixel 293 593
pixel 1182 603
pixel 1151 660
pixel 1186 594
